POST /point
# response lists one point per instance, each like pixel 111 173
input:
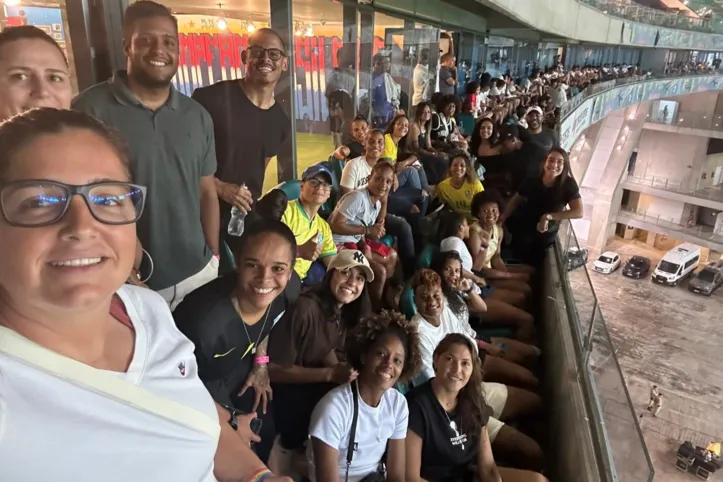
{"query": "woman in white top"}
pixel 434 321
pixel 457 235
pixel 384 349
pixel 95 379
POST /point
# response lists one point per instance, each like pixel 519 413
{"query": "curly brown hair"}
pixel 373 328
pixel 471 405
pixel 427 278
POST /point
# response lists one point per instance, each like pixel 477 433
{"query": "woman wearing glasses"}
pixel 122 378
pixel 448 440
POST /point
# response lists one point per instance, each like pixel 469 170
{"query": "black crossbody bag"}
pixel 379 475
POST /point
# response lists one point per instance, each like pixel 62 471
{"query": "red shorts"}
pixel 379 248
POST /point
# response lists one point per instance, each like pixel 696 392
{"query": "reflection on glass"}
pixel 326 79
pixel 49 17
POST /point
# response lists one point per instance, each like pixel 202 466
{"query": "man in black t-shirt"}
pixel 543 136
pixel 518 161
pixel 249 125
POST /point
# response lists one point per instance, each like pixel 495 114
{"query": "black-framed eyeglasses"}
pixel 38 202
pixel 257 52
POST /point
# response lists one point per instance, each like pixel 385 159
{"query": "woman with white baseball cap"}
pixel 307 349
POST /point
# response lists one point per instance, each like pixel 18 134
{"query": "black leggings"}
pixel 294 404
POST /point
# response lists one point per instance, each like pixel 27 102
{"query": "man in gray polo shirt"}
pixel 172 148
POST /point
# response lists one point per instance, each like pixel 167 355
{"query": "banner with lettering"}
pixel 575 124
pixel 209 55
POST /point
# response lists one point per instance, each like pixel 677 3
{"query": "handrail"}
pixel 653 16
pixel 714 193
pixel 594 104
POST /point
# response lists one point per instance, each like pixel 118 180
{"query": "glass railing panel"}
pixel 702 191
pixel 619 427
pixel 579 279
pixel 642 14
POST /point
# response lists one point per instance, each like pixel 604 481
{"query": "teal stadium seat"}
pixel 466 124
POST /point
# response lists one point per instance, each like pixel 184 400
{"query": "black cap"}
pixel 509 131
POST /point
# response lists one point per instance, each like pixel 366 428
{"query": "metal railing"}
pixel 620 440
pixel 714 193
pixel 653 16
pixel 594 89
pixel 697 231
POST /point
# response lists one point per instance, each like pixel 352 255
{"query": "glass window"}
pixel 50 17
pixel 326 79
pixel 668 267
pixel 211 40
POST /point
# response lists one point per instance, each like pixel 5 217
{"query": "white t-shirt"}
pixel 51 429
pixel 356 173
pixel 357 208
pixel 430 336
pixel 453 243
pixel 331 424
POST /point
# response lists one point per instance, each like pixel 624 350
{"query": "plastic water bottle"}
pixel 236 224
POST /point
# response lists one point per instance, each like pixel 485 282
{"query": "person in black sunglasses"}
pixel 249 125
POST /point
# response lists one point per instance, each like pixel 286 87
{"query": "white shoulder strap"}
pixel 99 381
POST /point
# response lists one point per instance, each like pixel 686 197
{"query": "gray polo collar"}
pixel 124 95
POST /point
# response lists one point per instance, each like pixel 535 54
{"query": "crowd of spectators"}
pixel 377 323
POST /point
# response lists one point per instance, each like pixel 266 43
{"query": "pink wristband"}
pixel 261 360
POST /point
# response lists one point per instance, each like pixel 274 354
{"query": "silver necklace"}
pixel 252 345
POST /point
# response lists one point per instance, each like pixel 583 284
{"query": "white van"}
pixel 677 263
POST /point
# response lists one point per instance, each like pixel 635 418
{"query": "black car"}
pixel 576 258
pixel 636 267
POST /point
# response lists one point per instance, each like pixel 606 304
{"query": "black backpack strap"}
pixel 352 435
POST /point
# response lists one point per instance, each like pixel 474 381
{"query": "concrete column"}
pixel 650 240
pixel 607 167
pixel 653 59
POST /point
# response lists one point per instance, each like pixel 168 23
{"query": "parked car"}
pixel 607 262
pixel 677 263
pixel 576 257
pixel 637 267
pixel 707 279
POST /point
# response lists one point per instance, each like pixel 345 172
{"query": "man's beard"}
pixel 150 82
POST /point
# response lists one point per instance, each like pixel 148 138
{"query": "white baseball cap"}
pixel 351 258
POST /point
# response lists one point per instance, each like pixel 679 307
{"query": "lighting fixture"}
pixel 619 148
pixel 221 22
pixel 574 159
pixel 631 117
pixel 11 3
pixel 309 32
pixel 250 27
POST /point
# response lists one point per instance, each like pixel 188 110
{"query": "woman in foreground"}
pixel 447 440
pixel 125 399
pixel 383 349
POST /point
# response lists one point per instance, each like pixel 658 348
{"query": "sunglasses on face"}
pixel 257 52
pixel 34 203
